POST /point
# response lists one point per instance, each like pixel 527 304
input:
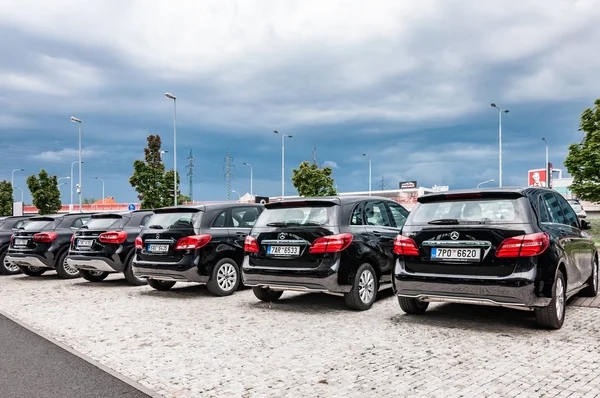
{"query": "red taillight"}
pixel 524 245
pixel 250 244
pixel 192 242
pixel 113 237
pixel 72 238
pixel 405 246
pixel 331 243
pixel 12 237
pixel 45 237
pixel 138 243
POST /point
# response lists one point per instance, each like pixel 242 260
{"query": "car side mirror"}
pixel 585 224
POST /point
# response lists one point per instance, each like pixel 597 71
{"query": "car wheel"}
pixel 364 289
pixel 225 278
pixel 93 276
pixel 553 316
pixel 64 270
pixel 32 271
pixel 266 294
pixel 6 267
pixel 160 285
pixel 592 283
pixel 412 306
pixel 130 276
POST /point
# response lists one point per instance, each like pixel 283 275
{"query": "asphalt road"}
pixel 31 366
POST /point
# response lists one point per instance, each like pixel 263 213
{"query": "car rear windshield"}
pixel 38 225
pixel 294 216
pixel 103 223
pixel 485 211
pixel 175 220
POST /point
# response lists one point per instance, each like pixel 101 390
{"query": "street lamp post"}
pixel 71 203
pixel 21 193
pixel 12 181
pixel 80 189
pixel 364 154
pixel 283 136
pixel 500 112
pixel 249 165
pixel 238 194
pixel 174 98
pixel 546 166
pixel 161 154
pixel 101 179
pixel 484 182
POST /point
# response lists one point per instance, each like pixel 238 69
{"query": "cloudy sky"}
pixel 410 83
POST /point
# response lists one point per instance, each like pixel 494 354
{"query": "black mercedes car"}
pixel 340 245
pixel 8 225
pixel 43 243
pixel 519 248
pixel 106 244
pixel 197 243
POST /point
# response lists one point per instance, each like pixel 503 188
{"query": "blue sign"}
pixel 131 207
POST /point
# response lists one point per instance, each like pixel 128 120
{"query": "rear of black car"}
pixel 478 247
pixel 8 225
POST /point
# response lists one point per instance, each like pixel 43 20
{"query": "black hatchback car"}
pixel 517 248
pixel 338 245
pixel 43 243
pixel 198 243
pixel 8 225
pixel 106 244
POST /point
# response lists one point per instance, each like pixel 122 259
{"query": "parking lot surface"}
pixel 185 342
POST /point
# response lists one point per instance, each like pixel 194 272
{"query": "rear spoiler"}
pixel 302 203
pixel 180 209
pixel 449 196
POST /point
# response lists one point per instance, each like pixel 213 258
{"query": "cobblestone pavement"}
pixel 186 343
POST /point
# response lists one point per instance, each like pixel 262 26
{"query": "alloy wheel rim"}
pixel 10 266
pixel 226 276
pixel 366 286
pixel 96 273
pixel 560 298
pixel 69 270
pixel 34 269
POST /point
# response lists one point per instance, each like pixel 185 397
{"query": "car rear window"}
pixel 499 211
pixel 301 215
pixel 175 220
pixel 38 225
pixel 103 223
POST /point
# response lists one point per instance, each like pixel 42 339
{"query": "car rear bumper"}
pixel 94 264
pixel 315 280
pixel 29 260
pixel 164 272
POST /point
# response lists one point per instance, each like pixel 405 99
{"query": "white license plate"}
pixel 21 242
pixel 438 253
pixel 84 243
pixel 158 248
pixel 283 250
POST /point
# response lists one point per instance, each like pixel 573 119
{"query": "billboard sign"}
pixel 537 177
pixel 408 184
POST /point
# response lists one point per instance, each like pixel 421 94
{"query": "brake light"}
pixel 72 238
pixel 45 237
pixel 138 243
pixel 464 196
pixel 250 244
pixel 331 243
pixel 524 245
pixel 113 237
pixel 193 242
pixel 405 246
pixel 12 238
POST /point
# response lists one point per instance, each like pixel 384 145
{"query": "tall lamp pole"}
pixel 12 180
pixel 369 157
pixel 249 165
pixel 21 193
pixel 101 179
pixel 174 98
pixel 484 182
pixel 500 112
pixel 546 166
pixel 71 203
pixel 80 189
pixel 283 136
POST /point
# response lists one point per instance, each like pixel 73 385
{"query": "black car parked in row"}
pixel 328 244
pixel 8 225
pixel 43 243
pixel 200 243
pixel 106 244
pixel 517 248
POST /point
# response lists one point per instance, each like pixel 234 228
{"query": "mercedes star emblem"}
pixel 282 236
pixel 157 236
pixel 454 235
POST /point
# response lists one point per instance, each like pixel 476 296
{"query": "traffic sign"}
pixel 131 207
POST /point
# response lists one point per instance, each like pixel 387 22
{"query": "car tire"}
pixel 93 276
pixel 592 283
pixel 64 270
pixel 412 306
pixel 363 294
pixel 553 316
pixel 225 278
pixel 7 268
pixel 160 285
pixel 266 294
pixel 130 276
pixel 33 271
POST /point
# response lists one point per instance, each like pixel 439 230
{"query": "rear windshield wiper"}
pixel 444 221
pixel 282 223
pixel 155 227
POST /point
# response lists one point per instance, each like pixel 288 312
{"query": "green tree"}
pixel 310 180
pixel 168 190
pixel 583 160
pixel 45 193
pixel 6 198
pixel 149 175
pixel 89 201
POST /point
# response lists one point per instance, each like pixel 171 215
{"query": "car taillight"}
pixel 138 243
pixel 331 243
pixel 250 244
pixel 113 237
pixel 12 238
pixel 192 242
pixel 72 238
pixel 45 237
pixel 405 246
pixel 524 245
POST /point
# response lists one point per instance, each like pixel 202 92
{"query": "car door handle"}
pixel 377 234
pixel 241 233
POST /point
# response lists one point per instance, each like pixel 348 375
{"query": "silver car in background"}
pixel 576 205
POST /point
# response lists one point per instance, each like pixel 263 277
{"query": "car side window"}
pixel 145 220
pixel 554 210
pixel 376 214
pixel 220 220
pixel 399 214
pixel 357 215
pixel 244 217
pixel 18 224
pixel 570 215
pixel 542 210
